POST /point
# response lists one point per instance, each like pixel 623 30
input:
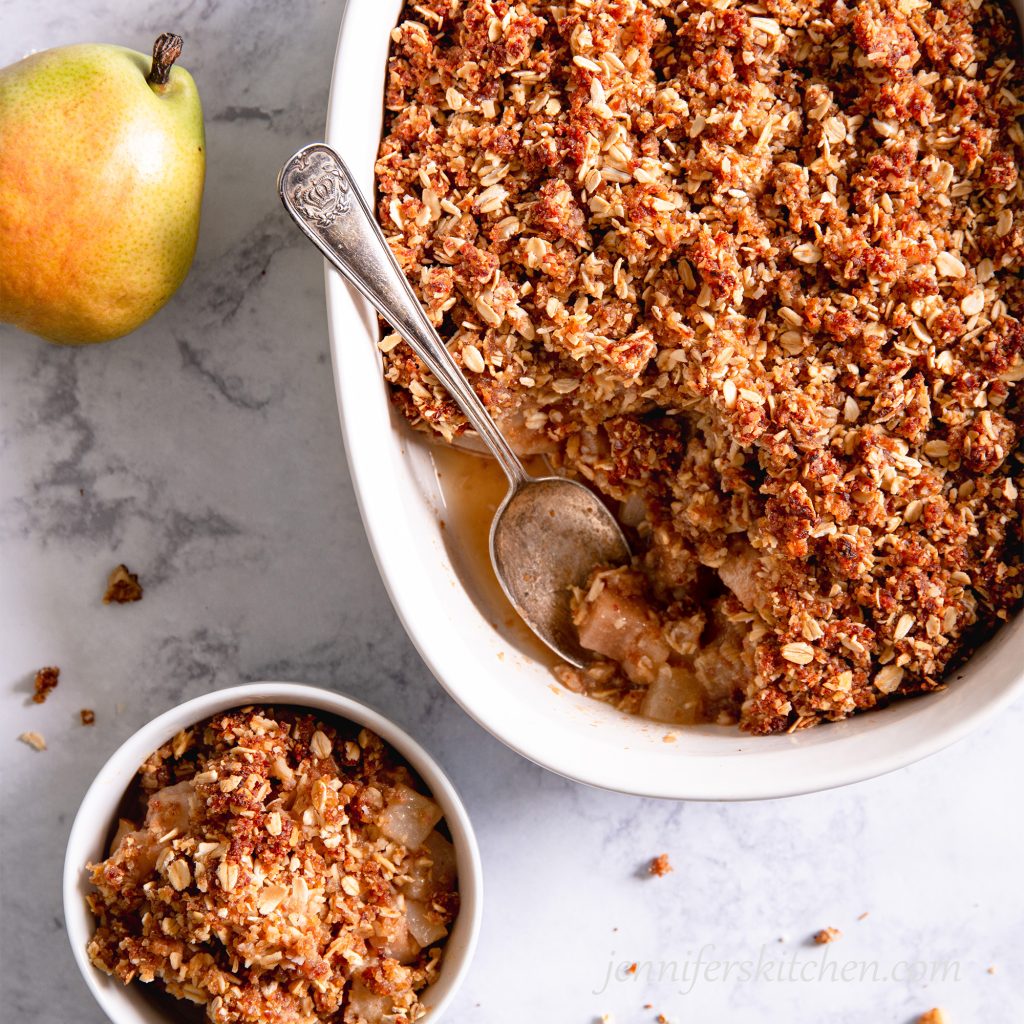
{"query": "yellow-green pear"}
pixel 102 160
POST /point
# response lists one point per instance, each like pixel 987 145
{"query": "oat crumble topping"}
pixel 45 683
pixel 280 870
pixel 753 271
pixel 123 587
pixel 660 866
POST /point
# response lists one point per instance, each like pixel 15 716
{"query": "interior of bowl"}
pixel 495 678
pixel 97 817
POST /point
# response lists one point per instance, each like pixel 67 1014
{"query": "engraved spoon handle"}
pixel 320 194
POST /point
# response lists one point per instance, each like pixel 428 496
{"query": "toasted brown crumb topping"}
pixel 277 869
pixel 754 273
pixel 827 935
pixel 45 683
pixel 660 866
pixel 88 716
pixel 123 587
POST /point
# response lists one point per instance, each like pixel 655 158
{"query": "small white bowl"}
pixel 89 834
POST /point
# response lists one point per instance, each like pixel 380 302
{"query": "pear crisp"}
pixel 274 868
pixel 752 271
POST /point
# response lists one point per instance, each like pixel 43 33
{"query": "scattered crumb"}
pixel 660 866
pixel 46 681
pixel 34 740
pixel 661 1019
pixel 827 935
pixel 88 716
pixel 991 970
pixel 123 587
pixel 864 915
pixel 933 1016
pixel 632 968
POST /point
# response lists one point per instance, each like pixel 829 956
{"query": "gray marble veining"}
pixel 205 452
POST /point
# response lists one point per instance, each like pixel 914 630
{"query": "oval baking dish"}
pixel 496 678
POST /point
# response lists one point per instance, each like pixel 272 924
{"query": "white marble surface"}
pixel 205 453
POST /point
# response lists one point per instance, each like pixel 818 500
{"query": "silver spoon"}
pixel 549 533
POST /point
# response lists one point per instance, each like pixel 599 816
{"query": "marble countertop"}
pixel 205 453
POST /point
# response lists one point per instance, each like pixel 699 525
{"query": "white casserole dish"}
pixel 506 691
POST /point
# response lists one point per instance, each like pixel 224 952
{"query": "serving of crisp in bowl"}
pixel 272 852
pixel 751 271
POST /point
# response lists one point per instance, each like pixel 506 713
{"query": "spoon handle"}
pixel 319 192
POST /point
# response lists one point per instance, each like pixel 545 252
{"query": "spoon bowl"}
pixel 549 534
pixel 547 537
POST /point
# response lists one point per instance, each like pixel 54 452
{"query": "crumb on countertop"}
pixel 123 587
pixel 660 866
pixel 46 681
pixel 827 935
pixel 88 716
pixel 34 740
pixel 933 1016
pixel 863 916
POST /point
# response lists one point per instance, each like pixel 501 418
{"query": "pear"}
pixel 102 160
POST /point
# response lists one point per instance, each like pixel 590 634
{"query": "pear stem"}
pixel 166 50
